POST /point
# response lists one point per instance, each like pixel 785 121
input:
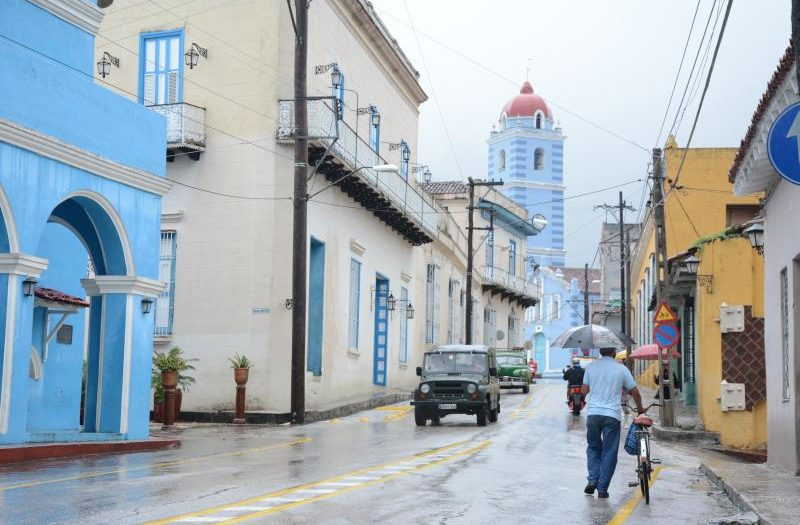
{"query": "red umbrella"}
pixel 650 353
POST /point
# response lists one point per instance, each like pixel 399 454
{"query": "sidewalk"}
pixel 771 494
pixel 688 426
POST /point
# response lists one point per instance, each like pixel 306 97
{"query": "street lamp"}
pixel 105 63
pixel 193 55
pixel 692 264
pixel 28 286
pixel 410 311
pixel 147 305
pixel 755 234
pixel 391 302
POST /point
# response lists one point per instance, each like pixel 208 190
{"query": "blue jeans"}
pixel 602 436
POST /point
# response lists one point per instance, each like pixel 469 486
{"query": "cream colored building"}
pixel 379 246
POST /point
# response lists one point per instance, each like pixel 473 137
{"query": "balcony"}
pixel 186 129
pixel 393 200
pixel 498 281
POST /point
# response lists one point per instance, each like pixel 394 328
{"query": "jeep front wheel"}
pixel 419 418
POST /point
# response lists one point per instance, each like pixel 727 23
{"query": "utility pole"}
pixel 666 412
pixel 626 313
pixel 300 201
pixel 470 255
pixel 586 319
pixel 623 306
pixel 796 34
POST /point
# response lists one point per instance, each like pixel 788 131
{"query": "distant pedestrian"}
pixel 604 381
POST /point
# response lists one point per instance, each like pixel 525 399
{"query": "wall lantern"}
pixel 410 311
pixel 755 234
pixel 391 303
pixel 105 63
pixel 406 151
pixel 102 4
pixel 28 286
pixel 375 116
pixel 336 77
pixel 426 176
pixel 193 55
pixel 692 264
pixel 147 305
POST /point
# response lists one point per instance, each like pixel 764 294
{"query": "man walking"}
pixel 604 381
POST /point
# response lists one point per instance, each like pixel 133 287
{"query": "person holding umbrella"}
pixel 603 381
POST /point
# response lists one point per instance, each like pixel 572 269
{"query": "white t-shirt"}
pixel 606 378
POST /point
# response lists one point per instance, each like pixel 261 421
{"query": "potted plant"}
pixel 241 368
pixel 168 373
pixel 241 371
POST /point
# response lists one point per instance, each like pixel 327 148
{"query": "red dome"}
pixel 526 104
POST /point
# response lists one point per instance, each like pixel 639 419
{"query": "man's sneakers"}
pixel 589 489
pixel 602 494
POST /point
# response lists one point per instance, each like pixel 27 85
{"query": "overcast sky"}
pixel 610 62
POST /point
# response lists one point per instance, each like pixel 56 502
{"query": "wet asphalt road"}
pixel 371 467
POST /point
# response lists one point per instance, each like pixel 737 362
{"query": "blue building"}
pixel 526 151
pixel 560 308
pixel 81 180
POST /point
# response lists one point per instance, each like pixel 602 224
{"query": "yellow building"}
pixel 698 211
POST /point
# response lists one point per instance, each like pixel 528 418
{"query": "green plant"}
pixel 240 361
pixel 173 361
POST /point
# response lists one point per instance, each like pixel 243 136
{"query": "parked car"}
pixel 513 370
pixel 457 379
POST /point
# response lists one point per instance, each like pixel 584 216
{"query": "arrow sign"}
pixel 783 144
pixel 666 335
pixel 665 314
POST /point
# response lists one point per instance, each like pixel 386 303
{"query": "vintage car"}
pixel 457 379
pixel 513 370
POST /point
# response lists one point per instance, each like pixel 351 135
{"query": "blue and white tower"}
pixel 526 151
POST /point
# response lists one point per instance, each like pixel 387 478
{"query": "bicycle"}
pixel 644 463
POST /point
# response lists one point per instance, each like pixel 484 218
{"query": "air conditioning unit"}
pixel 539 329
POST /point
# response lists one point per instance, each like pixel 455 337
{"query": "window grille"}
pixel 355 300
pixel 165 304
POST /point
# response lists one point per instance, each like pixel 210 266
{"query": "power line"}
pixel 686 213
pixel 433 90
pixel 705 91
pixel 229 195
pixel 516 84
pixel 678 74
pixel 691 71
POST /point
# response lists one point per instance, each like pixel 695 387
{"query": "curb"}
pixel 14 454
pixel 685 436
pixel 739 499
pixel 352 408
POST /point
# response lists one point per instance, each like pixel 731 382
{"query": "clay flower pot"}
pixel 240 375
pixel 169 378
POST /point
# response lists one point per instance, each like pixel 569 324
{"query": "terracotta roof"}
pixel 450 186
pixel 577 273
pixel 784 67
pixel 48 294
pixel 526 103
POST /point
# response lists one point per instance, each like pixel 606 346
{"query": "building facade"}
pixel 80 211
pixel 709 268
pixel 610 276
pixel 526 152
pixel 753 173
pixel 561 307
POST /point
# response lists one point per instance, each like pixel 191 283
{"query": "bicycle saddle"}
pixel 643 420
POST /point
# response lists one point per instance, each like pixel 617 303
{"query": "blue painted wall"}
pixel 519 139
pixel 47 85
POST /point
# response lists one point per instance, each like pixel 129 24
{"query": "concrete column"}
pixel 120 352
pixel 16 319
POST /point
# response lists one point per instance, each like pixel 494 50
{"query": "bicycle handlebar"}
pixel 648 407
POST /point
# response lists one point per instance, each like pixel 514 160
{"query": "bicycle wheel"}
pixel 644 481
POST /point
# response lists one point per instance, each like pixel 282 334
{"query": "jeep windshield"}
pixel 455 363
pixel 510 360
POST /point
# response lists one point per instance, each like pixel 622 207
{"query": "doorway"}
pixel 316 305
pixel 381 331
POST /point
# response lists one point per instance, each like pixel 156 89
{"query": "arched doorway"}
pixel 77 341
pixel 8 244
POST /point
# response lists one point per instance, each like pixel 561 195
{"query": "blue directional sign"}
pixel 783 144
pixel 666 335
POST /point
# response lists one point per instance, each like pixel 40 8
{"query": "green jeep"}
pixel 513 370
pixel 457 379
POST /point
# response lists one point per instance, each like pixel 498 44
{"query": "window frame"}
pixel 512 257
pixel 403 351
pixel 538 159
pixel 374 131
pixel 158 35
pixel 354 304
pixel 169 288
pixel 501 160
pixel 783 284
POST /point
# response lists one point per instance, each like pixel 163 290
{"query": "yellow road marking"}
pixel 625 512
pixel 400 413
pixel 334 421
pixel 154 465
pixel 391 408
pixel 522 406
pixel 299 488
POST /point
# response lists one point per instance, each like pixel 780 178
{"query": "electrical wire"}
pixel 229 195
pixel 516 84
pixel 705 91
pixel 433 90
pixel 686 213
pixel 678 74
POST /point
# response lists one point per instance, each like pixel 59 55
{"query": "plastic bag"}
pixel 631 443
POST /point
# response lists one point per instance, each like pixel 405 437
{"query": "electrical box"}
pixel 732 396
pixel 731 319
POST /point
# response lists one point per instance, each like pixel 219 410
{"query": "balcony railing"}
pixel 348 147
pixel 186 129
pixel 499 279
